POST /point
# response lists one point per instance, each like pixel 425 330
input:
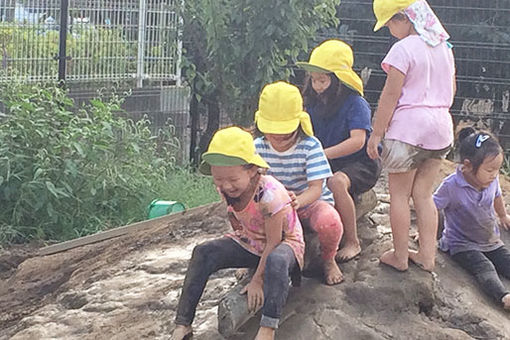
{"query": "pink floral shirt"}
pixel 270 198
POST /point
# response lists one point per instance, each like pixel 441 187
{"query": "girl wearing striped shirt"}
pixel 297 160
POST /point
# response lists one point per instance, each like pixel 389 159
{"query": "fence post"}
pixel 180 23
pixel 141 43
pixel 62 57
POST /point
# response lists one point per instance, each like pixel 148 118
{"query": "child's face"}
pixel 487 172
pixel 320 81
pixel 233 181
pixel 399 28
pixel 282 142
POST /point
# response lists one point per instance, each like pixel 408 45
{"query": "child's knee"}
pixel 486 269
pixel 276 264
pixel 329 222
pixel 200 251
pixel 339 183
pixel 204 253
pixel 420 196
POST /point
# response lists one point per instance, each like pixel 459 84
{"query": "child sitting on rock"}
pixel 296 159
pixel 267 233
pixel 470 199
pixel 333 95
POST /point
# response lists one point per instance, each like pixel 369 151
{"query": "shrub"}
pixel 66 171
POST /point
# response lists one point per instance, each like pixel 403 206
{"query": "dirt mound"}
pixel 128 287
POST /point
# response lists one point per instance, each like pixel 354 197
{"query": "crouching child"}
pixel 267 234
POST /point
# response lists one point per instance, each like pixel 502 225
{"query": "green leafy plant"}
pixel 234 47
pixel 67 171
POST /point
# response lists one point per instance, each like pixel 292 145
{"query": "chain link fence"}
pixel 132 46
pixel 480 34
pixel 135 40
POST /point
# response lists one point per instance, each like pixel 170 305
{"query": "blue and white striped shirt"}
pixel 302 163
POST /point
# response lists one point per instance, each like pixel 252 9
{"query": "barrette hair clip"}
pixel 480 139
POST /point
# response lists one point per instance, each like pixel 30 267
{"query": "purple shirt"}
pixel 470 219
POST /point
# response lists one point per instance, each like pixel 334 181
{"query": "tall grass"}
pixel 188 187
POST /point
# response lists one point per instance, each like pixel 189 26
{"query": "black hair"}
pixel 254 130
pixel 476 146
pixel 399 16
pixel 332 98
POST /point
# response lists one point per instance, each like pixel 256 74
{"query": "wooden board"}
pixel 116 232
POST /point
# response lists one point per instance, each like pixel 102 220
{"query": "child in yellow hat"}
pixel 267 233
pixel 414 119
pixel 297 160
pixel 333 95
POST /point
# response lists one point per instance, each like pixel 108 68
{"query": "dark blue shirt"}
pixel 334 128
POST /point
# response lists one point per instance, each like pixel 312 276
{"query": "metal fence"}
pixel 90 40
pixel 480 35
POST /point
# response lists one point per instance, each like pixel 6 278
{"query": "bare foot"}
pixel 389 258
pixel 332 274
pixel 182 332
pixel 420 260
pixel 506 302
pixel 265 333
pixel 348 252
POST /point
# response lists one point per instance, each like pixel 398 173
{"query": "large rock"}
pixel 233 308
pixel 128 288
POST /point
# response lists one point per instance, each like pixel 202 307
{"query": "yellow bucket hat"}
pixel 281 110
pixel 385 9
pixel 334 56
pixel 228 147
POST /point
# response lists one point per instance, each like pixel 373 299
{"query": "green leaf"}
pixel 79 149
pixel 71 167
pixel 135 147
pixel 97 103
pixel 50 210
pixel 51 188
pixel 37 173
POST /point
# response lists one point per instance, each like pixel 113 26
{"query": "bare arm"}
pixel 454 86
pixel 499 207
pixel 308 196
pixel 349 146
pixel 389 98
pixel 273 229
pixel 387 103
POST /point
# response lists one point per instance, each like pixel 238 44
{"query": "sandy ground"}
pixel 128 288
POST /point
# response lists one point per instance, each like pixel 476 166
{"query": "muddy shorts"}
pixel 363 173
pixel 400 157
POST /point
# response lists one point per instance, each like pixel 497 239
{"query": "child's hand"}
pixel 372 145
pixel 293 200
pixel 504 221
pixel 255 295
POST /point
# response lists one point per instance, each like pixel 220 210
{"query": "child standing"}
pixel 341 121
pixel 469 197
pixel 413 117
pixel 267 233
pixel 297 159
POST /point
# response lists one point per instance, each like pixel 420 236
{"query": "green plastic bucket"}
pixel 159 208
